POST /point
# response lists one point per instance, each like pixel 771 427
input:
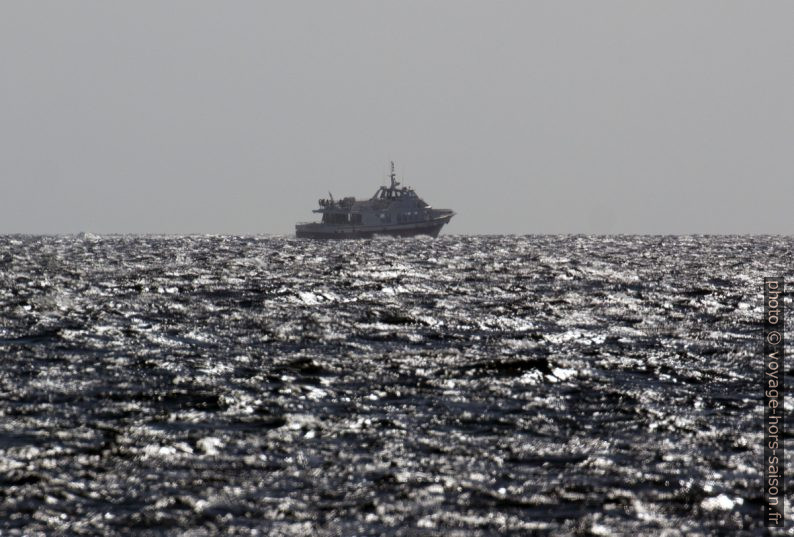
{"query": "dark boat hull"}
pixel 322 231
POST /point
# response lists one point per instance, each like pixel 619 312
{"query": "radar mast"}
pixel 393 177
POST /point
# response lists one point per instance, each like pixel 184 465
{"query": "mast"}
pixel 393 177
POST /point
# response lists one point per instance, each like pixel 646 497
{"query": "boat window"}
pixel 335 218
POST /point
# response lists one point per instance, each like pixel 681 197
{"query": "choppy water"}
pixel 457 386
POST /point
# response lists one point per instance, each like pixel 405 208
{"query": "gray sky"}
pixel 524 116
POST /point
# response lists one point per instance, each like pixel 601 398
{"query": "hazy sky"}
pixel 191 116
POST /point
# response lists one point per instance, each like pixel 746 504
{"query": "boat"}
pixel 394 210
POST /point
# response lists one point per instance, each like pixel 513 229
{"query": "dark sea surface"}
pixel 466 386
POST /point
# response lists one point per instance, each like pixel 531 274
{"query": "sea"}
pixel 565 385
